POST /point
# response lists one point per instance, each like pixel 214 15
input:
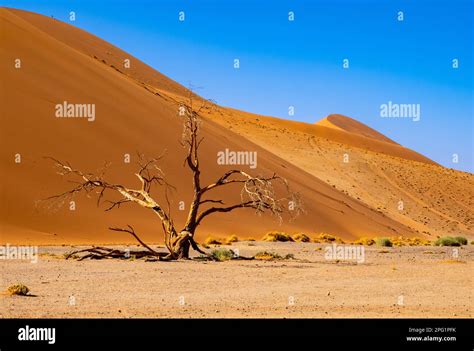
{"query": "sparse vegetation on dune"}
pixel 392 241
pixel 18 289
pixel 277 236
pixel 401 241
pixel 325 238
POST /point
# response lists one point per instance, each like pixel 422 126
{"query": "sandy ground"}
pixel 358 198
pixel 392 282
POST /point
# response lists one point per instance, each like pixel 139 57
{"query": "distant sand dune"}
pixel 352 126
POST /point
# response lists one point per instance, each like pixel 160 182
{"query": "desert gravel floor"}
pixel 392 282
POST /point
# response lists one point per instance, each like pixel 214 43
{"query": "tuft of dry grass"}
pixel 212 241
pixel 231 239
pixel 301 237
pixel 277 236
pixel 364 241
pixel 328 239
pixel 401 241
pixel 269 256
pixel 18 289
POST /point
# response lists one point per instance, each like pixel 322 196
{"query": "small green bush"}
pixel 222 255
pixel 277 236
pixel 383 242
pixel 447 241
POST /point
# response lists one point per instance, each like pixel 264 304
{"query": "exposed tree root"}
pixel 98 252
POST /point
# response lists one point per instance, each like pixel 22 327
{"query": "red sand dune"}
pixel 136 110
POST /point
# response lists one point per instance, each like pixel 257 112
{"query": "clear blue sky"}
pixel 299 63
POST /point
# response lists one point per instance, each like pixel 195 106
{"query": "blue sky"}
pixel 299 63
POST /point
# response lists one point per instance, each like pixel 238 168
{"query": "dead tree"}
pixel 257 192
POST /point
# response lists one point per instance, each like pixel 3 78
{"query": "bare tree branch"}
pixel 257 192
pixel 131 231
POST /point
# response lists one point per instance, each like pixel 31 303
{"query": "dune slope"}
pixel 396 181
pixel 130 117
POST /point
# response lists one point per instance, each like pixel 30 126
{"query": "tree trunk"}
pixel 180 245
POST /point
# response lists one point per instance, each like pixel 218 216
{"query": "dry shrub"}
pixel 327 239
pixel 18 289
pixel 364 241
pixel 268 256
pixel 231 239
pixel 212 241
pixel 301 237
pixel 277 236
pixel 401 241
